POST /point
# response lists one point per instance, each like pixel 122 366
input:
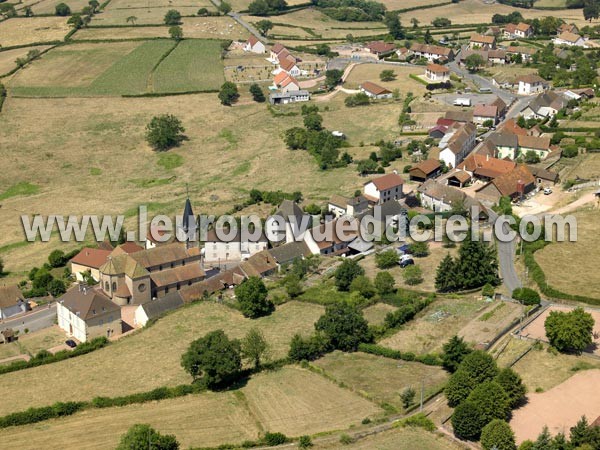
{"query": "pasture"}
pixel 290 400
pixel 436 324
pixel 146 11
pixel 49 6
pixel 588 167
pixel 151 358
pixel 381 379
pixel 8 57
pixel 585 251
pixel 559 408
pixel 32 30
pixel 370 72
pixel 109 34
pixel 213 28
pixel 193 65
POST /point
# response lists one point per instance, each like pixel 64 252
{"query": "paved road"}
pixel 238 18
pixel 34 321
pixel 506 259
pixel 482 82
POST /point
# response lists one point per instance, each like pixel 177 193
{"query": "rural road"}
pixel 238 18
pixel 482 82
pixel 33 321
pixel 506 260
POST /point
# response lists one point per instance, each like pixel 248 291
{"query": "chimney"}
pixel 487 157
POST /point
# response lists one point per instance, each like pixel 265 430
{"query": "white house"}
pixel 290 66
pixel 546 104
pixel 482 41
pixel 156 308
pixel 437 73
pixel 385 188
pixel 85 313
pixel 229 246
pixel 342 206
pixel 570 39
pixel 432 52
pixel 254 45
pixel 290 221
pixel 440 197
pixel 531 84
pixel 457 144
pixel 375 91
pixel 522 30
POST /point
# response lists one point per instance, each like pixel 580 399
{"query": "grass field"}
pixel 147 11
pixel 588 167
pixel 31 30
pixel 31 343
pixel 49 6
pixel 408 438
pixel 150 358
pixel 381 379
pixel 393 5
pixel 370 72
pixel 551 3
pixel 585 251
pixel 375 314
pixel 193 65
pixel 291 400
pixel 121 33
pixel 436 324
pixel 7 58
pixel 213 28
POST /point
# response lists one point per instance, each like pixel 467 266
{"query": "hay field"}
pixel 436 324
pixel 585 253
pixel 370 72
pixel 33 29
pixel 8 57
pixel 376 313
pixel 49 6
pixel 121 33
pixel 147 11
pixel 382 379
pixel 291 400
pixel 113 130
pixel 393 5
pixel 193 65
pixel 588 167
pixel 150 358
pixel 476 11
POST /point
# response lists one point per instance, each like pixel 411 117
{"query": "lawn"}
pixel 31 343
pixel 436 324
pixel 8 57
pixel 291 400
pixel 585 251
pixel 403 82
pixel 192 66
pixel 382 379
pixel 376 313
pixel 33 29
pixel 150 358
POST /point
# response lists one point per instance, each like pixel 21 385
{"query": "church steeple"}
pixel 189 224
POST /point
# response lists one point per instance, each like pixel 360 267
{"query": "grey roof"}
pixel 360 246
pixel 289 252
pixel 504 139
pixel 547 99
pixel 448 194
pixel 288 209
pixel 10 296
pixel 188 221
pixel 387 210
pixel 88 302
pixel 289 94
pixel 169 302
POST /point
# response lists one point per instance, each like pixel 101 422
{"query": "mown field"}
pixel 49 6
pixel 32 30
pixel 586 251
pixel 8 57
pixel 122 68
pixel 291 400
pixel 382 379
pixel 403 82
pixel 151 358
pixel 146 11
pixel 375 314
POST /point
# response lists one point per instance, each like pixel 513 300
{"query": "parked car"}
pixel 547 191
pixel 406 262
pixel 71 343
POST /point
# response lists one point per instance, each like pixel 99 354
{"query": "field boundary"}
pixel 150 79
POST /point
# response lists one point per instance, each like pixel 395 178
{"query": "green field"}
pixel 192 66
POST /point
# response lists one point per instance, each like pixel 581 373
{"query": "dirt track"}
pixel 559 408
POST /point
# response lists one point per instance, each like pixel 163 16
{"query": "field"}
pixel 49 6
pixel 559 408
pixel 150 358
pixel 146 11
pixel 32 343
pixel 589 166
pixel 7 58
pixel 31 30
pixel 193 65
pixel 375 314
pixel 437 323
pixel 551 3
pixel 121 33
pixel 585 251
pixel 382 379
pixel 393 5
pixel 370 72
pixel 476 11
pixel 291 400
pixel 213 28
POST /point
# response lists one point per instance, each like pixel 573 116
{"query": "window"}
pixel 114 285
pixel 106 286
pixel 141 287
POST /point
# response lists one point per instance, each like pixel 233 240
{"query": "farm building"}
pixel 514 184
pixel 283 98
pixel 430 168
pixel 432 52
pixel 569 39
pixel 486 168
pixel 375 91
pixel 546 104
pixel 440 197
pixel 380 49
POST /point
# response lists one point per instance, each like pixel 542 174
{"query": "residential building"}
pixel 430 168
pixel 484 167
pixel 482 41
pixel 254 45
pixel 383 189
pixel 569 39
pixel 531 84
pixel 457 144
pixel 437 73
pixel 402 53
pixel 280 98
pixel 459 116
pixel 568 28
pixel 276 50
pixel 432 52
pixel 439 197
pixel 156 308
pixel 543 177
pixel 538 145
pixel 343 206
pixel 496 56
pixel 232 249
pixel 85 313
pixel 290 66
pixel 12 302
pixel 525 52
pixel 285 82
pixel 292 223
pixel 515 184
pixel 546 104
pixel 375 91
pixel 482 113
pixel 89 259
pixel 327 238
pixel 288 253
pixel 380 49
pixel 506 144
pixel 501 107
pixel 518 31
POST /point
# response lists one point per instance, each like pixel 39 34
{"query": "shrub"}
pixel 363 286
pixel 384 283
pixel 62 10
pixel 345 439
pixel 387 259
pixel 498 435
pixel 229 93
pixel 139 436
pixel 274 438
pixel 346 272
pixel 308 349
pixel 305 442
pixel 252 297
pixel 526 296
pixel 419 420
pixel 488 291
pixel 413 275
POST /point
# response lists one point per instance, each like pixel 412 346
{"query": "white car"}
pixel 547 191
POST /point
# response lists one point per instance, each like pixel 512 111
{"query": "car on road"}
pixel 547 191
pixel 71 343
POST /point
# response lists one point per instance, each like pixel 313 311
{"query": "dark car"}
pixel 406 262
pixel 71 343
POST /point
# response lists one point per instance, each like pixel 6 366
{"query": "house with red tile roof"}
pixel 88 259
pixel 254 45
pixel 375 91
pixel 437 73
pixel 385 188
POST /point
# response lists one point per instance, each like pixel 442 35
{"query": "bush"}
pixel 229 93
pixel 346 273
pixel 308 349
pixel 526 296
pixel 488 291
pixel 419 420
pixel 34 415
pixel 498 435
pixel 346 439
pixel 384 283
pixel 360 99
pixel 274 438
pixel 363 286
pixel 62 10
pixel 413 275
pixel 140 435
pixel 419 249
pixel 387 259
pixel 304 442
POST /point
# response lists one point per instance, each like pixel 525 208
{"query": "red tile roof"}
pixel 388 181
pixel 437 68
pixel 374 89
pixel 91 257
pixel 380 47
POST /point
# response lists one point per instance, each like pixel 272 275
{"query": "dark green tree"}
pixel 264 26
pixel 579 433
pixel 591 9
pixel 214 359
pixel 344 325
pixel 363 286
pixel 313 122
pixel 172 17
pixel 75 21
pixel 497 435
pixel 57 258
pixel 56 287
pixel 333 77
pixel 176 32
pixel 62 9
pixel 445 277
pixel 569 331
pixel 491 400
pixel 257 93
pixel 224 7
pixel 255 346
pixel 392 21
pixel 252 297
pixel 387 259
pixel 142 436
pixel 164 131
pixel 480 366
pixel 477 264
pixel 384 283
pixel 513 385
pixel 466 421
pixel 228 93
pixel 474 62
pixel 347 271
pixel 458 388
pixel 454 351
